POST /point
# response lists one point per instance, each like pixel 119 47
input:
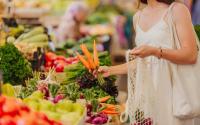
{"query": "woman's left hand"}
pixel 144 51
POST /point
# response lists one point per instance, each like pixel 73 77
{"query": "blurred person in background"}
pixel 69 27
pixel 194 6
pixel 196 12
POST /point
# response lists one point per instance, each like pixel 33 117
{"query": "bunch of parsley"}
pixel 16 69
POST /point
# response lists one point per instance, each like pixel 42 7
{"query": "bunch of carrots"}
pixel 91 63
pixel 108 108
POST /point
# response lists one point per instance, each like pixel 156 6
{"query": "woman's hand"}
pixel 104 70
pixel 144 51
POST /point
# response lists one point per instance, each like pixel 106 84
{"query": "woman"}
pixel 69 27
pixel 154 46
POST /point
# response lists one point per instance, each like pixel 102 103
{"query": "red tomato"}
pixel 42 116
pixel 60 58
pixel 25 108
pixel 2 100
pixel 9 109
pixel 69 60
pixel 74 62
pixel 59 68
pixel 50 56
pixel 7 120
pixel 49 64
pixel 75 58
pixel 59 62
pixel 1 112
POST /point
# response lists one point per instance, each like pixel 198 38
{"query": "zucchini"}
pixel 37 38
pixel 35 31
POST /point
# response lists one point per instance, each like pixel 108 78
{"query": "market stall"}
pixel 54 82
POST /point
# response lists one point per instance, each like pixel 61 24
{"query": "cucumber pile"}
pixel 35 37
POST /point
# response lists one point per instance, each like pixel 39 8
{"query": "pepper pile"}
pixel 14 112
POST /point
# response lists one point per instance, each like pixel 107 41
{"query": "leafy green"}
pixel 105 59
pixel 73 72
pixel 16 69
pixel 53 89
pixel 95 105
pixel 97 18
pixel 71 91
pixel 197 29
pixel 30 86
pixel 29 89
pixel 94 93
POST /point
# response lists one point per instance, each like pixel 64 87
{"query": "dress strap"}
pixel 139 15
pixel 168 10
pixel 137 19
pixel 171 6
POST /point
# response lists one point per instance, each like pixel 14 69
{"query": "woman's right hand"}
pixel 104 70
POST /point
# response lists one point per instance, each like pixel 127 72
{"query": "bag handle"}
pixel 173 26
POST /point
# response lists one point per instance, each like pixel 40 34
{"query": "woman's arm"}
pixel 113 70
pixel 188 52
pixel 119 69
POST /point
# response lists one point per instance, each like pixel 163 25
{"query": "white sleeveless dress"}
pixel 155 77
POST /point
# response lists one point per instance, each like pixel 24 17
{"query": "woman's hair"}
pixel 164 1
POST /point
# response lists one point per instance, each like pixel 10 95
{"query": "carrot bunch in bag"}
pixel 91 62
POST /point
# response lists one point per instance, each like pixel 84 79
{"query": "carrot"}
pixel 95 54
pixel 108 105
pixel 84 62
pixel 110 108
pixel 104 99
pixel 109 112
pixel 88 55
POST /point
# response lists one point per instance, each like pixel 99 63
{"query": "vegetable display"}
pixel 16 69
pixel 39 92
pixel 66 111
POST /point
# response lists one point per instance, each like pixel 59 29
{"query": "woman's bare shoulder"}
pixel 181 12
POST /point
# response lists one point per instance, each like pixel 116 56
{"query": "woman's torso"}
pixel 157 35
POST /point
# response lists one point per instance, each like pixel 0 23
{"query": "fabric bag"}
pixel 185 81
